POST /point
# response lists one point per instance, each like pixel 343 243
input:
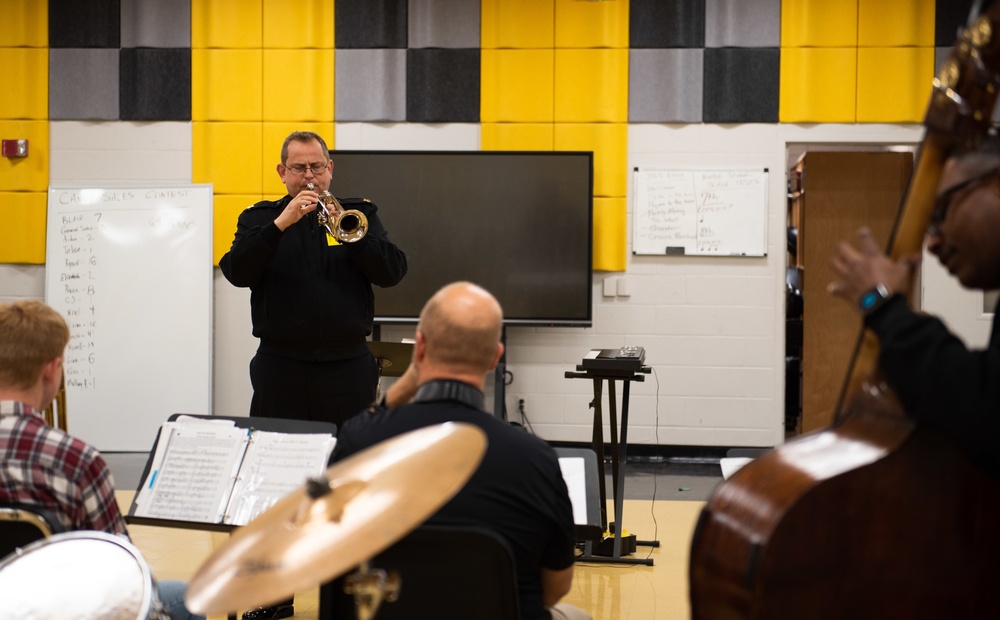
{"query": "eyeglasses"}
pixel 947 197
pixel 298 169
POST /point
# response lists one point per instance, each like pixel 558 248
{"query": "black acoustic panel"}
pixel 155 84
pixel 741 85
pixel 949 17
pixel 84 23
pixel 666 23
pixel 370 24
pixel 442 86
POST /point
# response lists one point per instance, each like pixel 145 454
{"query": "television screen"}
pixel 517 223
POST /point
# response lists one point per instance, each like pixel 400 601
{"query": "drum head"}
pixel 76 575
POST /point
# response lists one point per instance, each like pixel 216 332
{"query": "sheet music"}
pixel 574 474
pixel 275 464
pixel 731 465
pixel 192 473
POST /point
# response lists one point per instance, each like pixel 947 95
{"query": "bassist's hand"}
pixel 862 268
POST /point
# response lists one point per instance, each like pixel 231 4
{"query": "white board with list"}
pixel 700 212
pixel 130 269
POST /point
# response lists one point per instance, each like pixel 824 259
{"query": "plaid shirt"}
pixel 43 466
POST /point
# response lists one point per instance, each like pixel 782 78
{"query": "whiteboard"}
pixel 700 212
pixel 130 268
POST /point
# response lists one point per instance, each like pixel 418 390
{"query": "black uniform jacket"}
pixel 310 300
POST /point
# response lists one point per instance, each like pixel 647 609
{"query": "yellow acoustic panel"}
pixel 894 83
pixel 226 85
pixel 228 156
pixel 272 138
pixel 609 142
pixel 895 23
pixel 22 236
pixel 226 24
pixel 516 137
pixel 818 85
pixel 226 208
pixel 299 85
pixel 25 90
pixel 610 236
pixel 591 24
pixel 819 23
pixel 298 24
pixel 516 86
pixel 519 24
pixel 31 173
pixel 26 23
pixel 591 86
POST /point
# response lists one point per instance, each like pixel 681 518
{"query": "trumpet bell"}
pixel 346 226
pixel 351 226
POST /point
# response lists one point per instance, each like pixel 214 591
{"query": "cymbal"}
pixel 376 497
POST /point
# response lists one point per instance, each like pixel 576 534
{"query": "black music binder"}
pixel 253 498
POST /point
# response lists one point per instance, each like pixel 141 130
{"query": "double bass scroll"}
pixel 874 517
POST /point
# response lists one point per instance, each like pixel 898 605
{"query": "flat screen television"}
pixel 517 223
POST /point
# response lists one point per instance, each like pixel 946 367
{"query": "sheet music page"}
pixel 192 473
pixel 275 465
pixel 574 474
pixel 731 465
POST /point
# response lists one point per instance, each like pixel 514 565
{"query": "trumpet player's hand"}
pixel 304 203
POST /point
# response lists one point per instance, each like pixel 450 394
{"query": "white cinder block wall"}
pixel 713 327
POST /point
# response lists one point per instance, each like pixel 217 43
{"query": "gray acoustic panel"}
pixel 444 23
pixel 941 54
pixel 442 86
pixel 741 85
pixel 742 23
pixel 155 84
pixel 84 23
pixel 83 84
pixel 370 85
pixel 666 23
pixel 665 86
pixel 156 23
pixel 367 24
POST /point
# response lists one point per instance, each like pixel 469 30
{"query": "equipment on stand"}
pixel 625 365
pixel 361 506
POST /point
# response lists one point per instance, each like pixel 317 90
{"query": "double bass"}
pixel 876 516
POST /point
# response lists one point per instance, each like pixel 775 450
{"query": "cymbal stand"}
pixel 370 586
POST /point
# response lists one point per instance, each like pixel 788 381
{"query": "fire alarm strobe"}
pixel 15 148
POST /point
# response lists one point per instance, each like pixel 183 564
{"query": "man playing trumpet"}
pixel 311 297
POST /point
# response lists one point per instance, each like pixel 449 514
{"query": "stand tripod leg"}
pixel 598 441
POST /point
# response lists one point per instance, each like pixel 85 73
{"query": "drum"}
pixel 78 575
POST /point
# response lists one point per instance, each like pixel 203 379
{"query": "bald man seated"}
pixel 518 490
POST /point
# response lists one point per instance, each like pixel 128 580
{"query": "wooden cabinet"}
pixel 833 194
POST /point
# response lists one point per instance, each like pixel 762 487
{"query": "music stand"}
pixel 393 357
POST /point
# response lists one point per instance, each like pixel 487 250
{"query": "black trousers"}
pixel 318 391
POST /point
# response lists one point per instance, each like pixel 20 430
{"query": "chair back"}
pixel 21 525
pixel 445 572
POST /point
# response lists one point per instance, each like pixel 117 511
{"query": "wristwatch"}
pixel 874 299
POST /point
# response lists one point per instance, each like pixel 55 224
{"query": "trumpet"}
pixel 346 226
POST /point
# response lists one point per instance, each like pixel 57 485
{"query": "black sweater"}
pixel 309 300
pixel 940 381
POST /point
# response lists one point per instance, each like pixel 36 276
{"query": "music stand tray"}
pixel 393 357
